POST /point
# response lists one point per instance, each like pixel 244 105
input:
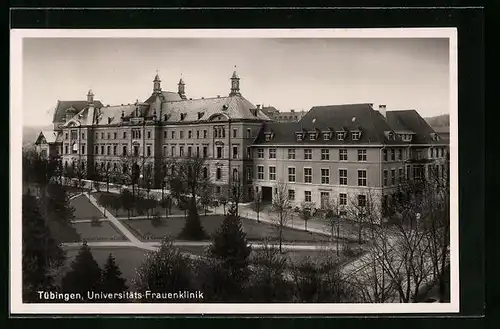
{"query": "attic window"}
pixel 299 136
pixel 109 120
pixel 434 136
pixel 390 136
pixel 200 115
pixel 340 135
pixel 326 136
pixel 269 136
pixel 183 116
pixel 165 117
pixel 356 135
pixel 312 136
pixel 224 107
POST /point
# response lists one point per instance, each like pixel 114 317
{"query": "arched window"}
pixel 65 164
pixel 218 173
pixel 124 168
pixel 108 165
pixel 205 172
pixel 235 174
pixel 114 166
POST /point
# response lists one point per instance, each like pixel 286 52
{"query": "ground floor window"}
pixel 343 199
pixel 361 200
pixel 291 195
pixel 307 196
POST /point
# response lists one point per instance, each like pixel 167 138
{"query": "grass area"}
pixel 255 231
pixel 84 209
pixel 122 213
pixel 104 232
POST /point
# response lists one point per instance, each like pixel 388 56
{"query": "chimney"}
pixel 382 110
pixel 258 106
pixel 293 111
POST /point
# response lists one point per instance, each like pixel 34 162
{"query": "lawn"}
pixel 84 209
pixel 104 232
pixel 122 213
pixel 255 231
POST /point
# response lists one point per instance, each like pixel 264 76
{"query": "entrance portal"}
pixel 267 194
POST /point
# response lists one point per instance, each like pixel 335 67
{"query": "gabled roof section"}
pixel 60 110
pixel 49 136
pixel 234 107
pixel 410 120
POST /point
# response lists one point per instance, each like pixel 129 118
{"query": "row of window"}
pixel 325 197
pixel 438 152
pixel 325 154
pixel 327 135
pixel 308 174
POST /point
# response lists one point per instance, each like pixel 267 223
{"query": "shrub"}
pixel 95 221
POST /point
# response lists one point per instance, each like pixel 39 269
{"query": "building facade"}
pixel 340 152
pixel 345 154
pixel 166 125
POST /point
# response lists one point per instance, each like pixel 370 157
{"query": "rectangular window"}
pixel 124 150
pixel 324 198
pixel 172 151
pixel 83 135
pixel 124 134
pixel 307 196
pixel 307 154
pixel 340 135
pixel 249 133
pixel 108 150
pixel 342 154
pixel 102 149
pixel 235 132
pixel 299 136
pixel 181 134
pixel 400 175
pixel 172 134
pixel 393 154
pixel 272 153
pixel 356 135
pixel 343 199
pixel 326 136
pixel 362 155
pixel 291 154
pixel 148 149
pixel 272 173
pixel 66 136
pixel 260 153
pixel 197 151
pixel 235 152
pixel 102 135
pixel 325 176
pixel 393 176
pixel 96 149
pixel 291 174
pixel 190 149
pixel 291 195
pixel 204 134
pixel 136 150
pixel 205 151
pixel 74 134
pixel 249 174
pixel 308 175
pixel 249 152
pixel 115 147
pixel 361 200
pixel 190 134
pixel 362 177
pixel 219 152
pixel 114 135
pixel 83 148
pixel 260 172
pixel 400 154
pixel 164 151
pixel 384 152
pixel 109 136
pixel 66 149
pixel 386 173
pixel 342 176
pixel 149 134
pixel 181 151
pixel 312 136
pixel 164 134
pixel 325 154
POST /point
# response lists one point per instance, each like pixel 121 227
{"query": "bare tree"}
pixel 332 211
pixel 106 173
pixel 281 208
pixel 305 212
pixel 131 169
pixel 257 203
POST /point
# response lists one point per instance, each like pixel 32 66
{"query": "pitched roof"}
pixel 166 96
pixel 60 110
pixel 236 107
pixel 410 120
pixel 49 135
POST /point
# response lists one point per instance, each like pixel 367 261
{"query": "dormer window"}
pixel 340 135
pixel 299 136
pixel 434 136
pixel 390 135
pixel 312 136
pixel 326 136
pixel 200 115
pixel 183 116
pixel 356 135
pixel 269 136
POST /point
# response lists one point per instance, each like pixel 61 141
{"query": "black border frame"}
pixel 470 25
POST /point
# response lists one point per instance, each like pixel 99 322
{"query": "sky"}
pixel 284 73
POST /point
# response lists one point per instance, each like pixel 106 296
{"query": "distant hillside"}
pixel 30 133
pixel 439 121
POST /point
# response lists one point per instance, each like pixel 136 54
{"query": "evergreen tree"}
pixel 41 254
pixel 231 248
pixel 192 229
pixel 164 270
pixel 112 280
pixel 85 274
